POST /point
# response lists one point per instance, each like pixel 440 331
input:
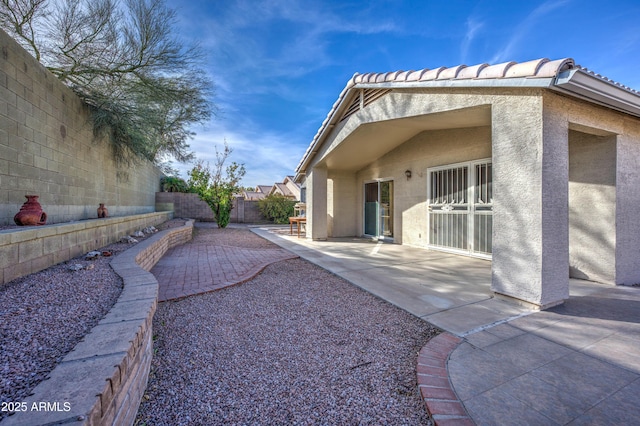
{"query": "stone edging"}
pixel 102 380
pixel 441 401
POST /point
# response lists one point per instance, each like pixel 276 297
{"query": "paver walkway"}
pixel 202 266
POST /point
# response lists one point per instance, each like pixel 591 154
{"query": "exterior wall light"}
pixel 407 173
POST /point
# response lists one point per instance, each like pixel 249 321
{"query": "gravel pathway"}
pixel 294 345
pixel 45 314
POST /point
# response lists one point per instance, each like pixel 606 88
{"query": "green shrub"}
pixel 276 208
pixel 173 184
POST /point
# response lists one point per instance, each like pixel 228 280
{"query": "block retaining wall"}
pixel 29 250
pixel 103 379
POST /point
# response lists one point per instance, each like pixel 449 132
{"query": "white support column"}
pixel 316 182
pixel 531 220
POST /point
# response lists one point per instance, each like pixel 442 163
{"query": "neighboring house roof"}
pixel 263 188
pixel 293 186
pixel 282 189
pixel 561 75
pixel 253 195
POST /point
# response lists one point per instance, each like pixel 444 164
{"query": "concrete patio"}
pixel 449 291
pixel 577 363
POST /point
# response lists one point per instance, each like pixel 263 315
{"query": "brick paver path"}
pixel 204 265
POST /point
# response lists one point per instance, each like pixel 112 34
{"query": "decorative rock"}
pixel 128 239
pixel 76 267
pixel 138 234
pixel 150 230
pixel 92 255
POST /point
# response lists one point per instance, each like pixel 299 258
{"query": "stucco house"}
pixel 533 165
pixel 287 188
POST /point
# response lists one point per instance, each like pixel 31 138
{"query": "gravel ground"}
pixel 45 314
pixel 295 345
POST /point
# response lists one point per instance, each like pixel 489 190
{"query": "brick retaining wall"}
pixel 104 377
pixel 34 248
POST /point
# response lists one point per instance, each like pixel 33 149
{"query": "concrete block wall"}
pixel 184 205
pixel 250 209
pixel 47 148
pixel 29 250
pixel 103 379
pixel 191 206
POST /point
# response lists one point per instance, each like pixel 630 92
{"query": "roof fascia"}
pixel 584 85
pixel 484 83
pixel 328 124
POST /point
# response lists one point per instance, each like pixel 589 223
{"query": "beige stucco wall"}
pixel 425 150
pixel 342 204
pixel 618 226
pixel 592 206
pixel 47 149
pixel 526 133
pixel 628 203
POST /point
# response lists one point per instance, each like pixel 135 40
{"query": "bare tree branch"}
pixel 144 85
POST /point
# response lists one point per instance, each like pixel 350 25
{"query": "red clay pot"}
pixel 30 213
pixel 102 211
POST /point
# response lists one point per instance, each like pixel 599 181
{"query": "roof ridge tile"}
pixel 472 71
pixel 495 71
pixel 431 74
pixel 450 73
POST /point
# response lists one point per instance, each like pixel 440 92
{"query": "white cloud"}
pixel 524 28
pixel 242 45
pixel 473 27
pixel 268 157
pixel 250 64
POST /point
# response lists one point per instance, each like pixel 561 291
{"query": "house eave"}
pixel 561 76
pixel 346 95
pixel 593 88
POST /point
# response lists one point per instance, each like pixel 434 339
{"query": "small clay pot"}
pixel 102 211
pixel 30 213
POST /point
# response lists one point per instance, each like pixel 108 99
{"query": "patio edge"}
pixel 441 401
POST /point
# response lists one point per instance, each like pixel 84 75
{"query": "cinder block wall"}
pixel 191 206
pixel 252 212
pixel 47 148
pixel 184 205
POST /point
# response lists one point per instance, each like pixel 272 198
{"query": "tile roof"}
pixel 539 68
pixel 536 73
pixel 253 195
pixel 283 189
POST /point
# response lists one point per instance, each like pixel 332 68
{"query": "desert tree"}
pixel 144 86
pixel 217 185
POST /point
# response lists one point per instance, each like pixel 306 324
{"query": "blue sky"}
pixel 279 65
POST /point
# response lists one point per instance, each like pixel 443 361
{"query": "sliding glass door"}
pixel 378 209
